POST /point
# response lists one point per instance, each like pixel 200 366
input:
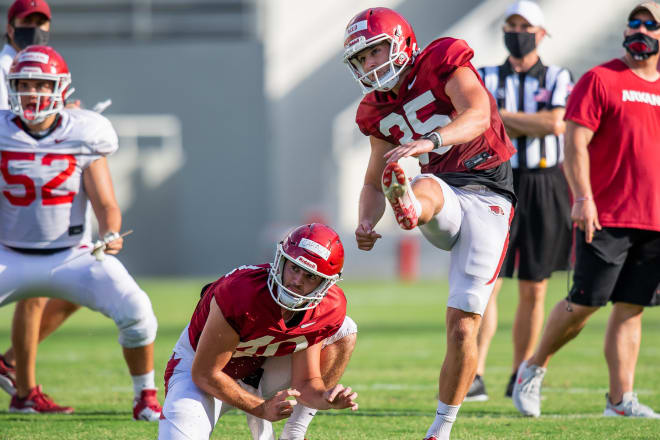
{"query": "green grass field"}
pixel 394 368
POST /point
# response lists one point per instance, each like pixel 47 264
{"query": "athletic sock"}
pixel 143 382
pixel 444 420
pixel 297 424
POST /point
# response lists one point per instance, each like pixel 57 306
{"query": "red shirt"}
pixel 422 106
pixel 623 111
pixel 246 304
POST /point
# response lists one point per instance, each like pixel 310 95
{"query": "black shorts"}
pixel 541 231
pixel 620 265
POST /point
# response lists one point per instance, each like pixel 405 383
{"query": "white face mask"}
pixel 287 300
pixel 397 61
pixel 291 300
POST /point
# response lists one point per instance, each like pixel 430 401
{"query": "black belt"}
pixel 30 251
pixel 552 169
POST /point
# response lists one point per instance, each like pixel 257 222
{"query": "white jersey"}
pixel 6 58
pixel 43 204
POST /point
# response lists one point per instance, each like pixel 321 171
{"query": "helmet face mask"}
pixel 370 28
pixel 374 79
pixel 314 248
pixel 38 63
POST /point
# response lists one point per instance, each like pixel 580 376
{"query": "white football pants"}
pixel 76 276
pixel 474 226
pixel 191 414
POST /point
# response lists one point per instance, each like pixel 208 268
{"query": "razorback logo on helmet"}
pixel 37 57
pixel 496 210
pixel 305 262
pixel 314 247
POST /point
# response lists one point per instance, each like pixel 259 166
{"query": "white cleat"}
pixel 629 407
pixel 527 389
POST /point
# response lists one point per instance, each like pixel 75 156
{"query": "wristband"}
pixel 583 199
pixel 434 137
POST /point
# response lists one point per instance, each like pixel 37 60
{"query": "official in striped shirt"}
pixel 531 98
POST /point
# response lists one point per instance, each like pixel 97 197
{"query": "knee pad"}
pixel 138 326
pixel 471 302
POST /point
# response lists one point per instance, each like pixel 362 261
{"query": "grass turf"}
pixel 394 368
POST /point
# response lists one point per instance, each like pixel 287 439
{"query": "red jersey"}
pixel 623 111
pixel 422 106
pixel 246 304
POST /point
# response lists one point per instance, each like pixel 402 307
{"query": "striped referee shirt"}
pixel 540 88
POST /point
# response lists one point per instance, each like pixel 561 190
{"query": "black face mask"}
pixel 519 44
pixel 640 46
pixel 27 36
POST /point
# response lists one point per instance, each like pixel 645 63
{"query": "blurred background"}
pixel 236 117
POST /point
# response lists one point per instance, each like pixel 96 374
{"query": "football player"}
pixel 276 317
pixel 28 23
pixel 52 166
pixel 431 104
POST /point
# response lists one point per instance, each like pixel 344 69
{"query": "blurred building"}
pixel 236 116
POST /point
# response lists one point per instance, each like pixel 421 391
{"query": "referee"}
pixel 531 98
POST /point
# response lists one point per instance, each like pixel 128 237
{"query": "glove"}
pixel 100 245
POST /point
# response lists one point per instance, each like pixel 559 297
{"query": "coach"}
pixel 28 22
pixel 612 154
pixel 531 98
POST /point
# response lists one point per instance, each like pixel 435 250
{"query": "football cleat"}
pixel 509 387
pixel 629 407
pixel 7 377
pixel 477 391
pixel 36 402
pixel 399 194
pixel 431 438
pixel 146 407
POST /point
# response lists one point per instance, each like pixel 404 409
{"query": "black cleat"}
pixel 477 391
pixel 509 387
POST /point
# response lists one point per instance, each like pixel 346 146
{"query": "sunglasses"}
pixel 650 25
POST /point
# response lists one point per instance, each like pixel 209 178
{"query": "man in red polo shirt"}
pixel 612 138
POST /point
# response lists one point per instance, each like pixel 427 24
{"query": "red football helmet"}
pixel 39 62
pixel 374 26
pixel 315 248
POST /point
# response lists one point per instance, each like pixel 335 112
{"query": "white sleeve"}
pixel 107 142
pixel 99 134
pixel 561 89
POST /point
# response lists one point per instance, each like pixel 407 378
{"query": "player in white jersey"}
pixel 28 23
pixel 52 168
